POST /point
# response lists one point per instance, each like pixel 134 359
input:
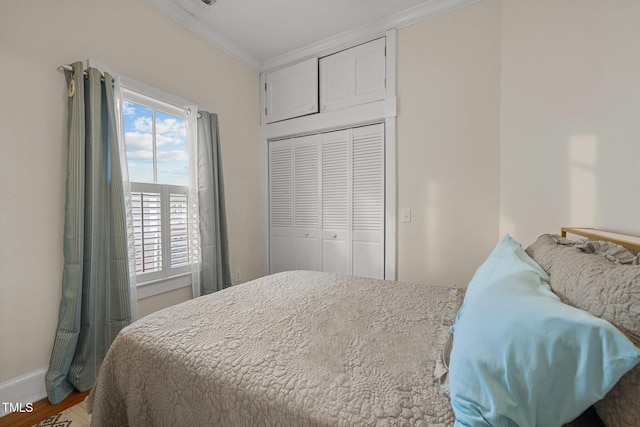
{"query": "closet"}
pixel 327 202
pixel 329 165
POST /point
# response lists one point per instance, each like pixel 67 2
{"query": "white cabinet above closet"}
pixel 349 78
pixel 292 91
pixel 353 76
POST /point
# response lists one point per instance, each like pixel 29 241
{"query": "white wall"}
pixel 448 144
pixel 570 148
pixel 515 116
pixel 133 38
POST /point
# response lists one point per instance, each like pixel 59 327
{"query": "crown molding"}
pixel 422 12
pixel 427 10
pixel 190 21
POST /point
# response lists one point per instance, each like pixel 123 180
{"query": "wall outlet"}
pixel 236 276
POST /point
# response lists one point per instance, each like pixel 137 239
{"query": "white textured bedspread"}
pixel 292 349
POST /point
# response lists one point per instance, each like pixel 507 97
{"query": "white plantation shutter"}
pixel 178 228
pixel 160 220
pixel 147 230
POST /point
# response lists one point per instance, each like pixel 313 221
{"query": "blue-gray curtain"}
pixel 95 303
pixel 214 242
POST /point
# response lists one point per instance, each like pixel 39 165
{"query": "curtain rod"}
pixel 70 68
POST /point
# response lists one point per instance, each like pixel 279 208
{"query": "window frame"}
pixel 131 90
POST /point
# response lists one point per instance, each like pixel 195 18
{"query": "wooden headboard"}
pixel 629 242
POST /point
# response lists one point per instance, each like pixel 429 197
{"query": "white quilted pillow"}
pixel 600 278
pixel 621 406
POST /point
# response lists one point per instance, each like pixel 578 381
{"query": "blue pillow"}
pixel 523 358
pixel 507 258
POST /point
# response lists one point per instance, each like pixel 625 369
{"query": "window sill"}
pixel 155 287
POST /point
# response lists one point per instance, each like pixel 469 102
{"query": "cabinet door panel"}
pixel 368 201
pixel 335 256
pixel 281 184
pixel 368 178
pixel 366 259
pixel 369 69
pixel 307 182
pixel 280 206
pixel 281 254
pixel 307 255
pixel 278 97
pixel 336 182
pixel 354 76
pixel 335 81
pixel 292 91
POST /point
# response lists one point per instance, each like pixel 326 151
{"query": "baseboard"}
pixel 28 388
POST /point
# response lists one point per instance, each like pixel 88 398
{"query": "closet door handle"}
pixel 306 234
pixel 335 236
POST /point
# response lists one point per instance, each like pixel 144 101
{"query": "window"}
pixel 156 138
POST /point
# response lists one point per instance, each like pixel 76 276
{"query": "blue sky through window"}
pixel 171 148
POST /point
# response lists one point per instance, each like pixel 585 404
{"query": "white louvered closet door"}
pixel 336 182
pixel 327 202
pixel 306 201
pixel 281 205
pixel 368 204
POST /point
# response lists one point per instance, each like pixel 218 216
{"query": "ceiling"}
pixel 268 34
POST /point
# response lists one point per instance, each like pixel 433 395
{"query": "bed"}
pixel 314 349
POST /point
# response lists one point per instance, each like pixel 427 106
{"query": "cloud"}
pixel 168 131
pixel 171 131
pixel 172 156
pixel 128 108
pixel 136 141
pixel 168 140
pixel 144 141
pixel 143 124
pixel 171 126
pixel 140 147
pixel 141 155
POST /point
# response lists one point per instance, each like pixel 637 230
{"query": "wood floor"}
pixel 41 411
